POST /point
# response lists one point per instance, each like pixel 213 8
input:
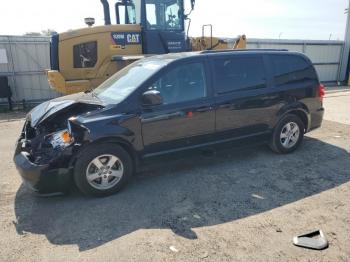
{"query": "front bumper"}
pixel 43 179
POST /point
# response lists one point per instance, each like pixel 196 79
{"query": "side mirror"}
pixel 152 98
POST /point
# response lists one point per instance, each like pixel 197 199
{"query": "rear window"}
pixel 291 69
pixel 239 73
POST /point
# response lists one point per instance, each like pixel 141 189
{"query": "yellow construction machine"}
pixel 84 58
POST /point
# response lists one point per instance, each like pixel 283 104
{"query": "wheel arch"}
pixel 111 140
pixel 300 110
pixel 303 117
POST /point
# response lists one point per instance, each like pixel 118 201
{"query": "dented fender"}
pixel 118 127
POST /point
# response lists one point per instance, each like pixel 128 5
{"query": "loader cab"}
pixel 162 23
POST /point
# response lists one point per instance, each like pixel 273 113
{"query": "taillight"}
pixel 321 92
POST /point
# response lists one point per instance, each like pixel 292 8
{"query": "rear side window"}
pixel 85 55
pixel 288 69
pixel 183 83
pixel 239 73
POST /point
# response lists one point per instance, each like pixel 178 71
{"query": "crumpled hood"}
pixel 49 108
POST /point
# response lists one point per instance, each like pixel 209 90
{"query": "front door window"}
pixel 183 83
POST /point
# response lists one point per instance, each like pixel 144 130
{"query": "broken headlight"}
pixel 61 139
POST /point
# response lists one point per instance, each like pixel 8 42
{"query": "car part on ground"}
pixel 313 240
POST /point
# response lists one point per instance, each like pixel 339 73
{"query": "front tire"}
pixel 103 169
pixel 287 135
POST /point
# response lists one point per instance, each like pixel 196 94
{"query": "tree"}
pixel 32 34
pixel 47 32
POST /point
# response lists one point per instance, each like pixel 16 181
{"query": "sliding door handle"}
pixel 204 109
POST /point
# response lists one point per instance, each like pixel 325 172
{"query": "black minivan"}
pixel 163 104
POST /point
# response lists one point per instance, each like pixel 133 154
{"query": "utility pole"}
pixel 343 74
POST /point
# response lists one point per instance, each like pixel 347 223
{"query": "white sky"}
pixel 293 19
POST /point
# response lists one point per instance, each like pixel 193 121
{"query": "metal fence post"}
pixel 12 68
pixel 346 49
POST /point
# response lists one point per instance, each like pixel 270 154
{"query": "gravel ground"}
pixel 218 205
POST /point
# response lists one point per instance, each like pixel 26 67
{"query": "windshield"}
pixel 124 82
pixel 164 15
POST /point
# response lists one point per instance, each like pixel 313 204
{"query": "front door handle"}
pixel 163 117
pixel 223 106
pixel 176 114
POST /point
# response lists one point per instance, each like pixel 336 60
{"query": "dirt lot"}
pixel 229 205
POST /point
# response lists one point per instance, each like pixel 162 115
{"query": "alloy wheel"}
pixel 290 134
pixel 104 171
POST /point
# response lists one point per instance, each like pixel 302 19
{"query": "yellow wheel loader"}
pixel 84 58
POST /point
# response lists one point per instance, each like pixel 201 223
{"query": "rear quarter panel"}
pixel 300 96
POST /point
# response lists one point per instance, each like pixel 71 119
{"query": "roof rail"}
pixel 240 50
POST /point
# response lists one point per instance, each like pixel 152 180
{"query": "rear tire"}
pixel 287 135
pixel 103 169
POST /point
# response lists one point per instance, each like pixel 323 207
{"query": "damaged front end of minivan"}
pixel 50 139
